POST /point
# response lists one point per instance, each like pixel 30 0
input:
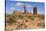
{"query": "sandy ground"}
pixel 26 24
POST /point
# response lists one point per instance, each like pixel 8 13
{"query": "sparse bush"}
pixel 31 17
pixel 41 16
pixel 11 19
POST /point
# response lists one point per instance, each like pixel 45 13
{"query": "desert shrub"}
pixel 41 25
pixel 31 17
pixel 20 16
pixel 11 19
pixel 26 21
pixel 8 15
pixel 41 16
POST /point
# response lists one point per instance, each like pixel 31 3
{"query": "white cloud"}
pixel 19 4
pixel 27 5
pixel 12 8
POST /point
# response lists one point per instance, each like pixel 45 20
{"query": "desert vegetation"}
pixel 14 21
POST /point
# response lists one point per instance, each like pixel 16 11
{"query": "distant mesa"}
pixel 26 13
pixel 22 13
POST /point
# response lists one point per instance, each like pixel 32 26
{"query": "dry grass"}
pixel 14 21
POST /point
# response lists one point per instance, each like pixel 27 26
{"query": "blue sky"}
pixel 11 5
